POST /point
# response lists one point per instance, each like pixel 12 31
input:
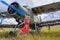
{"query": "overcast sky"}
pixel 43 2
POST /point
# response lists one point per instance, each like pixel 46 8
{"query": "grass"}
pixel 54 34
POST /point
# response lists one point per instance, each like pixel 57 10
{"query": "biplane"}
pixel 15 10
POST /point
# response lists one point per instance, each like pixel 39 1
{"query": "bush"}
pixel 4 33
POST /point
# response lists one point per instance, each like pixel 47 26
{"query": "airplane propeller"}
pixel 10 9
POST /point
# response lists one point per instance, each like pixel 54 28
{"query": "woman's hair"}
pixel 27 17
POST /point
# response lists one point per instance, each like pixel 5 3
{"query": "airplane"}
pixel 33 12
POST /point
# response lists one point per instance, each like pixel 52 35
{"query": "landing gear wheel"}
pixel 11 33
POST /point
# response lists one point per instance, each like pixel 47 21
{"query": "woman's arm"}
pixel 21 24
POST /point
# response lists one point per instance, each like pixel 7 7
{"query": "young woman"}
pixel 25 29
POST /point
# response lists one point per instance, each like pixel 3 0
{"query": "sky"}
pixel 9 21
pixel 43 2
pixel 32 3
pixel 50 16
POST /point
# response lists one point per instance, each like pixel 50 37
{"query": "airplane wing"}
pixel 46 8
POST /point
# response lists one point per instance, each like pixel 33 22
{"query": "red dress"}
pixel 25 29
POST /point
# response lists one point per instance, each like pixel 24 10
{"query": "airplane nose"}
pixel 10 10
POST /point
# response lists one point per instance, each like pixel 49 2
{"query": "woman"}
pixel 25 29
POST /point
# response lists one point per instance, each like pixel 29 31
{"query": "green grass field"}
pixel 54 34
